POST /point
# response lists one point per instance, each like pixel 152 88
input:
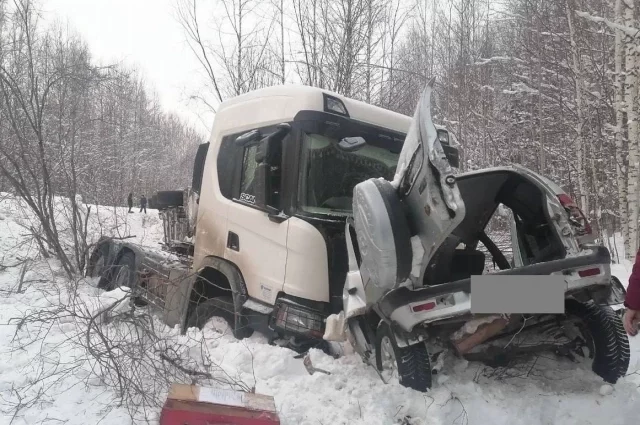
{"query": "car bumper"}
pixel 407 307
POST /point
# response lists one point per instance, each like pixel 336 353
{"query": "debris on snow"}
pixel 606 389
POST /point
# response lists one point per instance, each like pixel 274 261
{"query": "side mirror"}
pixel 351 144
pixel 247 138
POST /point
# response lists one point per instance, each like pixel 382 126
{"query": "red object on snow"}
pixel 194 405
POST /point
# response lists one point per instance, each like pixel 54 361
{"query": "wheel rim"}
pixel 389 364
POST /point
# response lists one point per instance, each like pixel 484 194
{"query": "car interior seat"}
pixel 466 263
pixel 451 263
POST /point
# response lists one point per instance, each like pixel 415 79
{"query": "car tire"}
pixel 220 307
pixel 609 339
pixel 412 363
pixel 169 199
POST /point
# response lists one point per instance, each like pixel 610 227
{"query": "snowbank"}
pixel 547 391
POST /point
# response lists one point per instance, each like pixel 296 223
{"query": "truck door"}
pixel 257 240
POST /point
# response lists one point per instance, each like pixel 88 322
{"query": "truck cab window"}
pixel 249 165
pixel 328 174
pixel 248 183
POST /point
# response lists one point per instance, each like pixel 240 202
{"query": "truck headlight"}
pixel 291 317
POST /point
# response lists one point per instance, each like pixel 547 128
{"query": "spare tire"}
pixel 169 199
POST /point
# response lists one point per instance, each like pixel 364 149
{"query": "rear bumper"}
pixel 454 298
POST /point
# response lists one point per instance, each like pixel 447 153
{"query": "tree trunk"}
pixel 579 144
pixel 631 94
pixel 619 131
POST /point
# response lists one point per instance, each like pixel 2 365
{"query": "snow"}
pixel 549 391
pixel 606 389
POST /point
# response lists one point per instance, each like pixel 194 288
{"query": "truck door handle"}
pixel 233 241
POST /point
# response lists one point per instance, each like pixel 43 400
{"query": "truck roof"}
pixel 282 102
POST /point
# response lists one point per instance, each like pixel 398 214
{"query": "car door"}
pixel 427 182
pixel 256 243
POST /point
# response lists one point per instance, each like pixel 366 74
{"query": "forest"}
pixel 549 84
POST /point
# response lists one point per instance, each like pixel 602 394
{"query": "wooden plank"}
pixel 222 397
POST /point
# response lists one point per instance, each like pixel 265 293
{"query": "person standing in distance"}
pixel 143 204
pixel 130 201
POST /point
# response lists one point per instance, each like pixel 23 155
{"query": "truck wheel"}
pixel 98 267
pixel 169 198
pixel 219 307
pixel 124 273
pixel 608 339
pixel 410 365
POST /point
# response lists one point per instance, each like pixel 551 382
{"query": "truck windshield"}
pixel 329 174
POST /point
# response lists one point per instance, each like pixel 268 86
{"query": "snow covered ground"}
pixel 548 391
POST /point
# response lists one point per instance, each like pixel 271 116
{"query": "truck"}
pixel 272 235
pixel 258 236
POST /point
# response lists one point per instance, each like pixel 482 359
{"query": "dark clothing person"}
pixel 632 299
pixel 130 201
pixel 143 204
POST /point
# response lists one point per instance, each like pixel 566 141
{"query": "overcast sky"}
pixel 143 33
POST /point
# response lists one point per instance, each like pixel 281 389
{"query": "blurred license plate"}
pixel 504 294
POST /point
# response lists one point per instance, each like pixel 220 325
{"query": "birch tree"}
pixel 631 105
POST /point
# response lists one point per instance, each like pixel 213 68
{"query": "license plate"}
pixel 510 294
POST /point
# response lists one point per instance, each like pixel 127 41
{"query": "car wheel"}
pixel 607 337
pixel 409 365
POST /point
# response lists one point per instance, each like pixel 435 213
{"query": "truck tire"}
pixel 98 268
pixel 124 273
pixel 219 307
pixel 609 339
pixel 412 363
pixel 213 307
pixel 169 199
pixel 98 264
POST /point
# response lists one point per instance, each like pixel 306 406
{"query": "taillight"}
pixel 577 217
pixel 589 272
pixel 423 307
